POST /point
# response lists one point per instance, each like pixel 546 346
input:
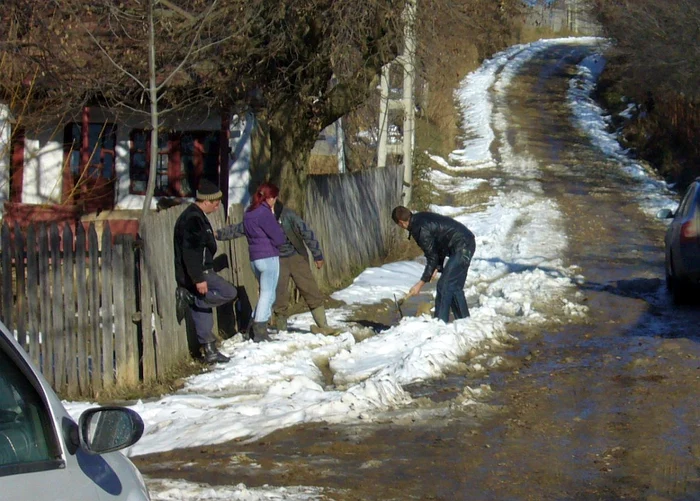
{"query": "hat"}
pixel 208 191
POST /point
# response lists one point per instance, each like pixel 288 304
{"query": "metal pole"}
pixel 383 117
pixel 340 144
pixel 5 154
pixel 409 109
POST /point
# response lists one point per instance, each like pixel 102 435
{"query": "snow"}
pixel 517 276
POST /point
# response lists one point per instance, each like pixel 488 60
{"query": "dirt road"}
pixel 604 409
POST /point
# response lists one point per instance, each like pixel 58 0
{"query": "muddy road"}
pixel 606 408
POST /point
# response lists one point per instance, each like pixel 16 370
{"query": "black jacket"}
pixel 438 237
pixel 195 247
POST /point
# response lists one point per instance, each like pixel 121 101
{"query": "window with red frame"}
pixel 99 153
pixel 16 164
pixel 90 153
pixel 184 157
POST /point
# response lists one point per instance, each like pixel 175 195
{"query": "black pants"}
pixel 450 286
pixel 220 292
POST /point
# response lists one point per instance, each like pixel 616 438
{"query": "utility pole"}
pixel 340 145
pixel 406 105
pixel 5 153
pixel 409 107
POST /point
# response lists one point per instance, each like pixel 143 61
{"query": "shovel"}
pixel 398 303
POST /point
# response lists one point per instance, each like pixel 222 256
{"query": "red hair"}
pixel 264 191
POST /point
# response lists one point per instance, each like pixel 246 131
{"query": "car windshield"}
pixel 25 429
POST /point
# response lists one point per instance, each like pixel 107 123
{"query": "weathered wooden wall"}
pixel 350 215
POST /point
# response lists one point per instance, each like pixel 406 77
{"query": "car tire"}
pixel 675 286
pixel 679 291
pixel 678 295
pixel 670 278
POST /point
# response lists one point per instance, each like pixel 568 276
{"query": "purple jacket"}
pixel 263 232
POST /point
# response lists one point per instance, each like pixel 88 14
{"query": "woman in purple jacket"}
pixel 265 236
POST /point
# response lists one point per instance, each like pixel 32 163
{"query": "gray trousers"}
pixel 220 292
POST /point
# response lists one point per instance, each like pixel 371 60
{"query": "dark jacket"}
pixel 263 232
pixel 299 235
pixel 195 247
pixel 438 237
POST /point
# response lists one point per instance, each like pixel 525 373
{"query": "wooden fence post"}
pixel 107 308
pixel 56 337
pixel 95 351
pixel 6 303
pixel 125 272
pixel 69 288
pixel 241 271
pixel 45 305
pixel 148 360
pixel 82 310
pixel 20 289
pixel 33 308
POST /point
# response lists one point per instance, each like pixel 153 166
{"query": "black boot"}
pixel 212 355
pixel 183 299
pixel 260 332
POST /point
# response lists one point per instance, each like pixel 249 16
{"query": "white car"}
pixel 45 455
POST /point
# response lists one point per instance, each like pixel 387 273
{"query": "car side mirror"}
pixel 108 429
pixel 664 214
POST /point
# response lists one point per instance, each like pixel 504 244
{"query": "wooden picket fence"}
pixel 58 295
pixel 350 215
pixel 98 311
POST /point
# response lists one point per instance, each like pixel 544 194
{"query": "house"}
pixel 99 163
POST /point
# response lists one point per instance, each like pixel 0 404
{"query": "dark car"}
pixel 683 245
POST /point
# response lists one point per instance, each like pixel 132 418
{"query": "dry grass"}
pixel 403 250
pixel 170 382
pixel 323 164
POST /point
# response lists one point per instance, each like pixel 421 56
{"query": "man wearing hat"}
pixel 198 284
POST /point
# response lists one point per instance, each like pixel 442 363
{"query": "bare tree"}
pixel 150 45
pixel 274 57
pixel 658 40
pixel 655 61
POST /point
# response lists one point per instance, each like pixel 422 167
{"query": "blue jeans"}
pixel 450 287
pixel 267 271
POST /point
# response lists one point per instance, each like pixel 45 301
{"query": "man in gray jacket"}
pixel 294 264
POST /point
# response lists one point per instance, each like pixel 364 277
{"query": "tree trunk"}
pixel 153 96
pixel 290 151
